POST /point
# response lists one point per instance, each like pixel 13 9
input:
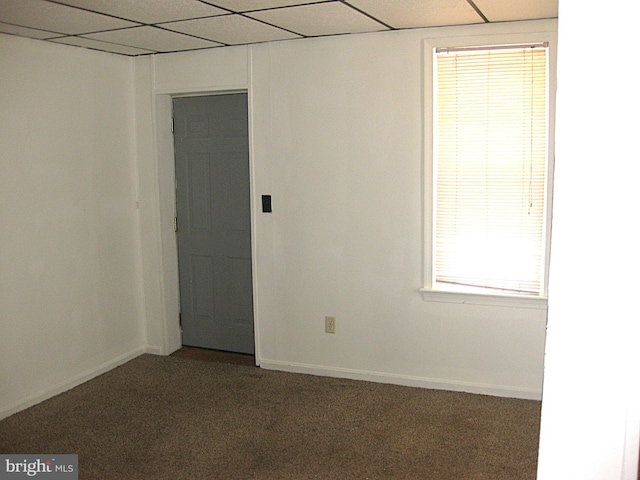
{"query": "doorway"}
pixel 213 221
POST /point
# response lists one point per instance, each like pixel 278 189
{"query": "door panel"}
pixel 214 222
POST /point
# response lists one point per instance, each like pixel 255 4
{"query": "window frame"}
pixel 432 292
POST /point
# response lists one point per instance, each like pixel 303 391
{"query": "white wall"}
pixel 591 401
pixel 70 289
pixel 337 140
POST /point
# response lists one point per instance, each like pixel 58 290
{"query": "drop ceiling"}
pixel 142 27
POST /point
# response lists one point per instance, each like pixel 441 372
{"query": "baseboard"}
pixel 405 380
pixel 70 383
pixel 153 350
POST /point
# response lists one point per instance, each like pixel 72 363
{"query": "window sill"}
pixel 479 297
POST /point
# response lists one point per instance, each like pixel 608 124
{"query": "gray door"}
pixel 213 221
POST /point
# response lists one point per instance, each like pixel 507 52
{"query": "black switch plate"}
pixel 266 203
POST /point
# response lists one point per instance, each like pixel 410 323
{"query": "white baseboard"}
pixel 154 350
pixel 405 380
pixel 70 383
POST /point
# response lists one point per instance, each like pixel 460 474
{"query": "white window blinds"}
pixel 491 160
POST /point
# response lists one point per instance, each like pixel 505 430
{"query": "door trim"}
pixel 168 246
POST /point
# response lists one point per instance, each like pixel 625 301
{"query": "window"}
pixel 487 204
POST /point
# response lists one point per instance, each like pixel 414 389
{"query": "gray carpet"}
pixel 175 418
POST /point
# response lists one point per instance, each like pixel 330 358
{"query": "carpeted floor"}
pixel 179 418
pixel 197 353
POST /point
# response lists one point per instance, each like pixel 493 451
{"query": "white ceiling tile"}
pixel 419 13
pixel 249 5
pixel 509 10
pixel 319 19
pixel 98 45
pixel 149 11
pixel 152 38
pixel 53 17
pixel 26 32
pixel 231 30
